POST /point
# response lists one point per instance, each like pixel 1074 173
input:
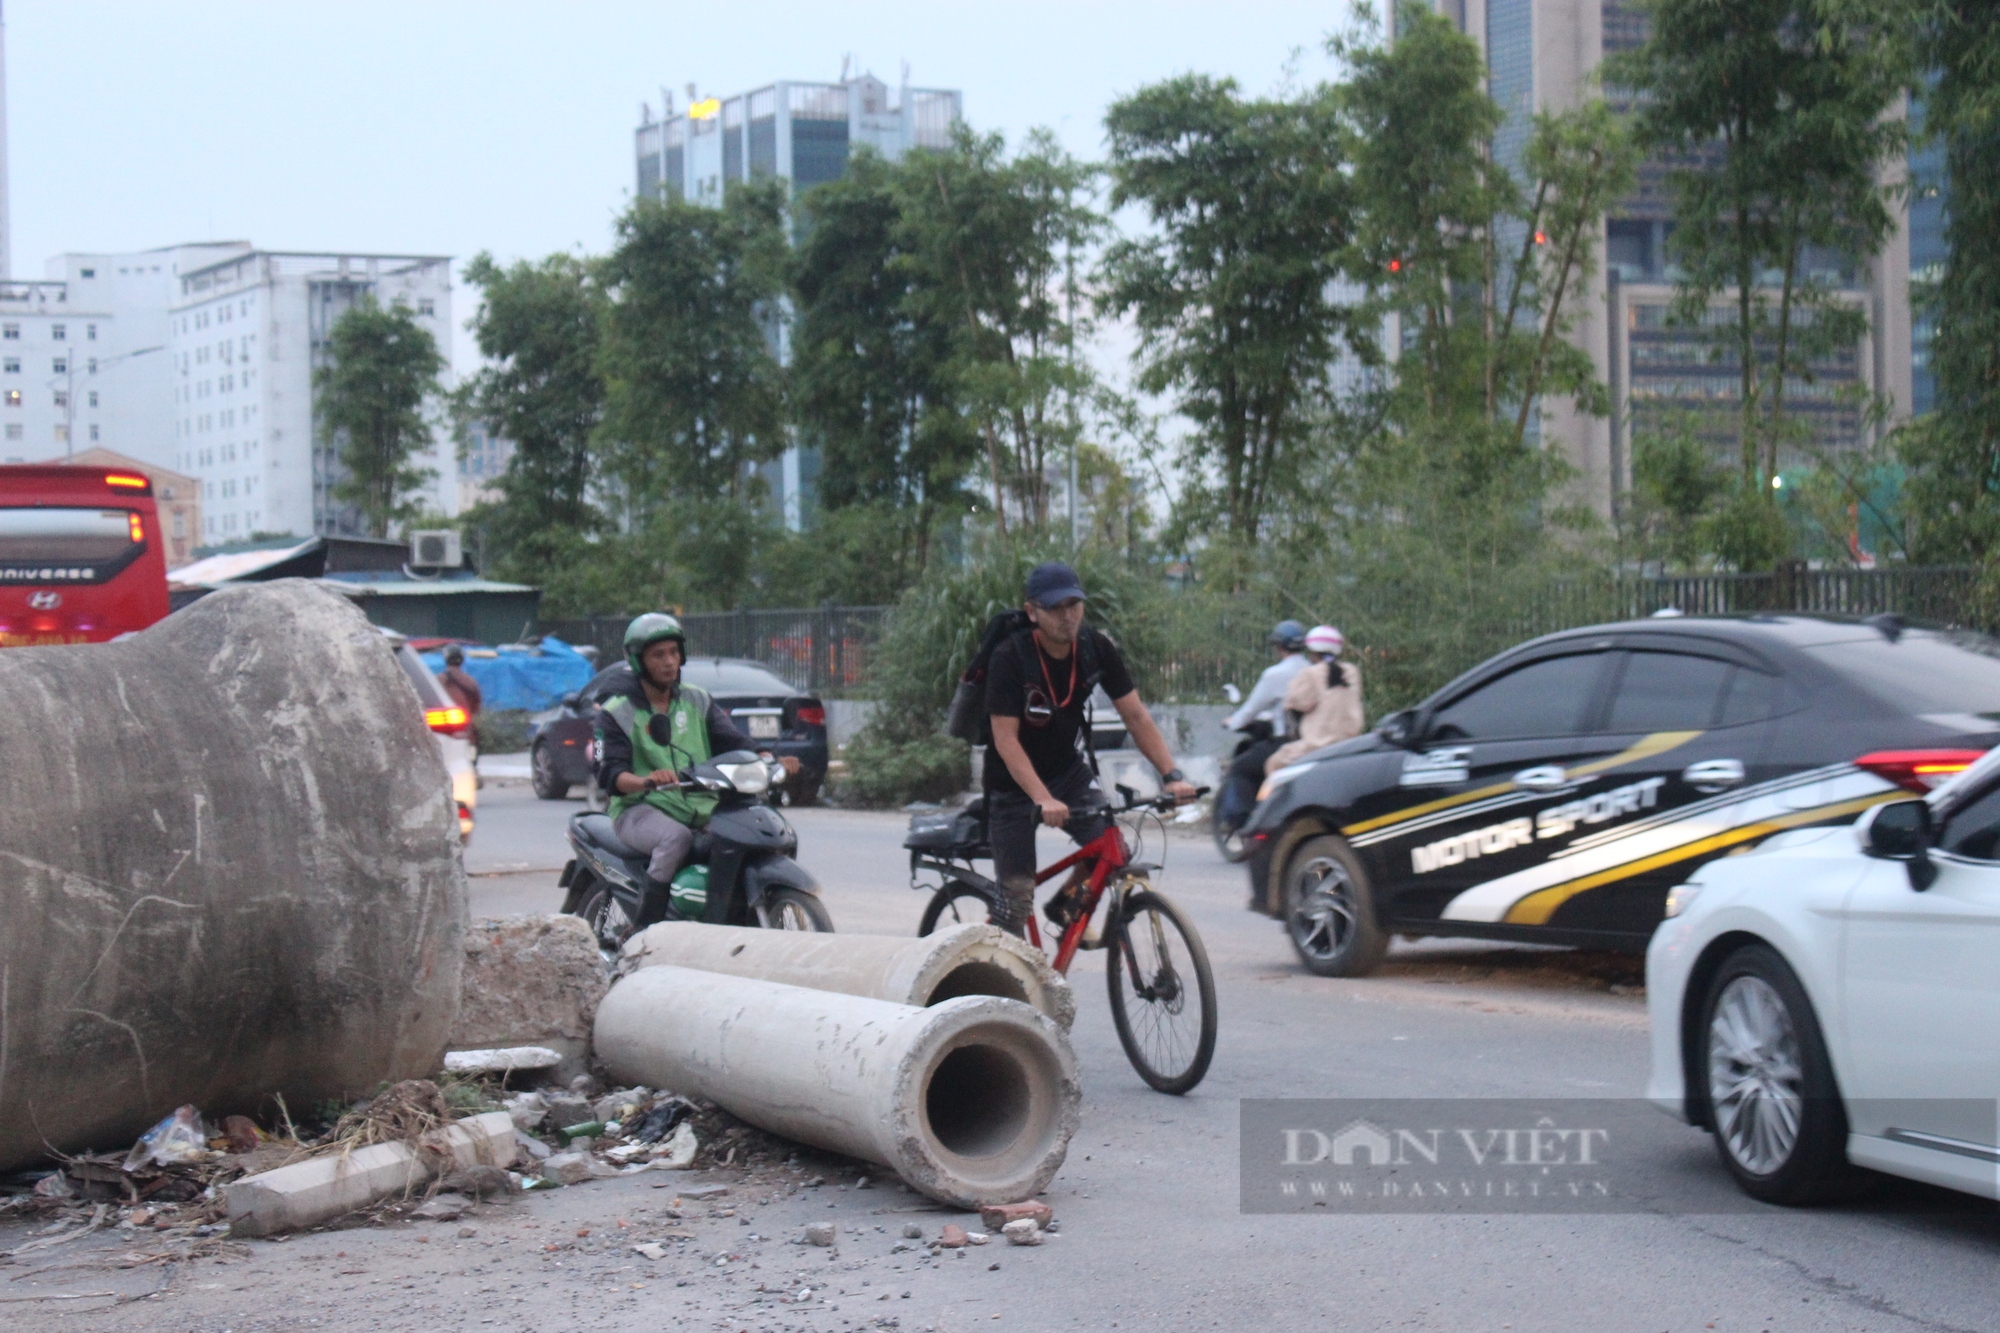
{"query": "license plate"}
pixel 763 728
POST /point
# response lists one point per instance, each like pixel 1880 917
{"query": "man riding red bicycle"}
pixel 1038 769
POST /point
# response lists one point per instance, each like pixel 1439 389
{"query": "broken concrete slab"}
pixel 1022 1231
pixel 233 870
pixel 503 1060
pixel 531 981
pixel 307 1193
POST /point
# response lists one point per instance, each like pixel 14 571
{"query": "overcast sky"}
pixel 446 127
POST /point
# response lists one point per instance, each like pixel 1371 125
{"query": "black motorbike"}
pixel 1229 832
pixel 740 872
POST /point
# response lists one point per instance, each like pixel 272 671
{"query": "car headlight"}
pixel 1680 897
pixel 1278 779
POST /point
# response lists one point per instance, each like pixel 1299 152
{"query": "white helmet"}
pixel 1324 639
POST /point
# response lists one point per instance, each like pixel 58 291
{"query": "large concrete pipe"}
pixel 229 867
pixel 965 960
pixel 972 1100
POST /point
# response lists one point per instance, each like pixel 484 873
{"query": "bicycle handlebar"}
pixel 1164 801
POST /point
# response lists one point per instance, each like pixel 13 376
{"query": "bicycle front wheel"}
pixel 1162 992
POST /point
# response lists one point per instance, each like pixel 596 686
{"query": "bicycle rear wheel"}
pixel 957 902
pixel 1162 992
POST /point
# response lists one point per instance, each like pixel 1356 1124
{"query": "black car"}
pixel 777 717
pixel 1556 792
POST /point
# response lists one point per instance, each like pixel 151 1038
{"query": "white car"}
pixel 449 724
pixel 1831 999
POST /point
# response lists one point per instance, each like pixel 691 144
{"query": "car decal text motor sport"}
pixel 1555 822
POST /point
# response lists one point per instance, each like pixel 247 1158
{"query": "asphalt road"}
pixel 1152 1232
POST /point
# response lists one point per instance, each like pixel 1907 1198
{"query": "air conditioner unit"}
pixel 436 548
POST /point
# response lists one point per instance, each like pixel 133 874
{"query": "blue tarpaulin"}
pixel 527 678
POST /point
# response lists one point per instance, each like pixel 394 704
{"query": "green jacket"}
pixel 688 722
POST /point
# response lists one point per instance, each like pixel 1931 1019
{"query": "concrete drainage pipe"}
pixel 972 1100
pixel 229 867
pixel 965 960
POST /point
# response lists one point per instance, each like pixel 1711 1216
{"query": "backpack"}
pixel 967 718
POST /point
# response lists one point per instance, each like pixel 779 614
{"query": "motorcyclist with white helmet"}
pixel 1263 711
pixel 1323 702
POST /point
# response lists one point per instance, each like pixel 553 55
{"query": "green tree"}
pixel 991 245
pixel 538 326
pixel 1953 490
pixel 1231 287
pixel 369 398
pixel 694 393
pixel 1777 113
pixel 870 374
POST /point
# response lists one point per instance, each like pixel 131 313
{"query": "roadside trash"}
pixel 507 1060
pixel 480 1181
pixel 532 1146
pixel 621 1106
pixel 650 1250
pixel 240 1134
pixel 54 1185
pixel 976 1238
pixel 567 1168
pixel 566 1109
pixel 181 1137
pixel 1022 1231
pixel 660 1121
pixel 528 1109
pixel 589 1129
pixel 704 1191
pixel 821 1233
pixel 679 1149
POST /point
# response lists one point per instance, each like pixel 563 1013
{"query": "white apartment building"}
pixel 125 381
pixel 246 332
pixel 49 349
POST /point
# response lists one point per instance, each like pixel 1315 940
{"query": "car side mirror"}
pixel 1902 831
pixel 1399 728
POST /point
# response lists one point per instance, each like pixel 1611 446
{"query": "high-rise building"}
pixel 245 334
pixel 799 132
pixel 1540 56
pixel 802 133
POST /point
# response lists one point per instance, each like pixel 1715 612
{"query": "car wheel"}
pixel 542 773
pixel 1330 911
pixel 1772 1102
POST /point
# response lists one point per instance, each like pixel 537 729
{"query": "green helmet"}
pixel 649 629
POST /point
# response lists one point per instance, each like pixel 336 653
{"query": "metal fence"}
pixel 822 649
pixel 827 649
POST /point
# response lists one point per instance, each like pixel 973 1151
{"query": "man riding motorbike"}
pixel 1266 706
pixel 644 736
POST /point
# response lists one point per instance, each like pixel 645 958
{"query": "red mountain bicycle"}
pixel 1162 991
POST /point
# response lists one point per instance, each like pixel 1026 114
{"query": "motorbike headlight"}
pixel 749 779
pixel 1281 777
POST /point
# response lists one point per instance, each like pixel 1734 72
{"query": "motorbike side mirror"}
pixel 1399 728
pixel 660 729
pixel 1902 831
pixel 572 699
pixel 1231 693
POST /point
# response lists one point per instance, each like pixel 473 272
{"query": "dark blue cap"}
pixel 1052 583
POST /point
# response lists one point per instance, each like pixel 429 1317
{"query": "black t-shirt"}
pixel 1040 693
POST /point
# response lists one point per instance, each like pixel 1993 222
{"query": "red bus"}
pixel 81 559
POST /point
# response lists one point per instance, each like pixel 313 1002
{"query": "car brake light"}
pixel 138 529
pixel 1917 770
pixel 122 479
pixel 812 715
pixel 447 720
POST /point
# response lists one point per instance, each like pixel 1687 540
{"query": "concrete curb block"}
pixel 306 1193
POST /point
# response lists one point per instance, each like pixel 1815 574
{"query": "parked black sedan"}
pixel 779 718
pixel 1556 792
